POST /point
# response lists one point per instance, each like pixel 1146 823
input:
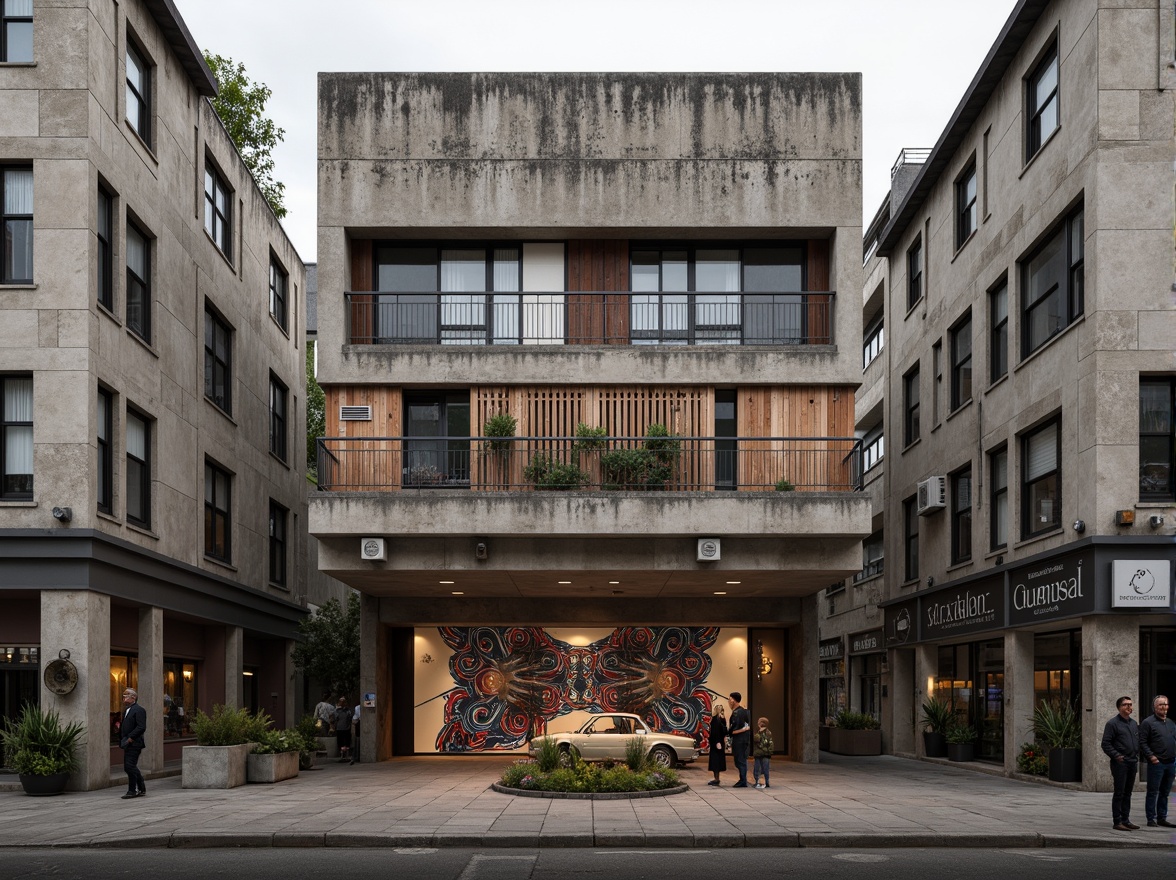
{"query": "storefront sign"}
pixel 831 649
pixel 970 608
pixel 867 643
pixel 1141 583
pixel 1057 588
pixel 902 623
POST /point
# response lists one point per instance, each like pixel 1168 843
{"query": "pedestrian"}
pixel 355 732
pixel 763 747
pixel 134 725
pixel 1121 743
pixel 343 730
pixel 716 761
pixel 1157 742
pixel 740 728
pixel 324 715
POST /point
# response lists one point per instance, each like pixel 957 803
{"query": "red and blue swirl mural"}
pixel 511 681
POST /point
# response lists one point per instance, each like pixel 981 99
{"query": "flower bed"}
pixel 585 778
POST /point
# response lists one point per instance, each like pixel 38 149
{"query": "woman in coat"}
pixel 717 761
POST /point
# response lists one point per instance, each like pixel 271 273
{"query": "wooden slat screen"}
pixel 378 463
pixel 793 411
pixel 818 279
pixel 596 266
pixel 361 279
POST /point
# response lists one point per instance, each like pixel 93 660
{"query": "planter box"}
pixel 1065 765
pixel 43 786
pixel 934 744
pixel 328 744
pixel 214 766
pixel 855 742
pixel 961 751
pixel 271 768
pixel 823 737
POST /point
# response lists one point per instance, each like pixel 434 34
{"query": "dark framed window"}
pixel 998 311
pixel 936 382
pixel 1041 480
pixel 105 451
pixel 998 488
pixel 910 538
pixel 278 395
pixel 1041 102
pixel 138 469
pixel 1157 438
pixel 16 181
pixel 965 201
pixel 915 273
pixel 873 447
pixel 278 282
pixel 138 282
pixel 218 210
pixel 875 342
pixel 218 505
pixel 726 442
pixel 961 516
pixel 218 360
pixel 961 362
pixel 1052 286
pixel 910 406
pixel 437 455
pixel 105 267
pixel 16 437
pixel 277 543
pixel 16 37
pixel 873 557
pixel 139 74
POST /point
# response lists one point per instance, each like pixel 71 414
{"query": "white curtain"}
pixel 136 253
pixel 1042 453
pixel 18 407
pixel 18 8
pixel 506 270
pixel 136 437
pixel 18 191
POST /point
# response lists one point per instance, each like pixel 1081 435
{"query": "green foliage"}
pixel 37 744
pixel 1056 726
pixel 959 734
pixel 275 742
pixel 1033 760
pixel 548 473
pixel 937 715
pixel 306 731
pixel 848 720
pixel 581 776
pixel 329 649
pixel 635 756
pixel 546 753
pixel 240 104
pixel 513 775
pixel 649 466
pixel 316 415
pixel 590 439
pixel 782 485
pixel 229 727
pixel 502 424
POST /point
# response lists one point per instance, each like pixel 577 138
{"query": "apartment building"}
pixel 580 336
pixel 1018 366
pixel 151 360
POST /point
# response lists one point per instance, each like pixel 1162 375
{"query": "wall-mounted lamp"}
pixel 763 664
pixel 1079 526
pixel 930 581
pixel 426 658
pixel 63 514
pixel 1155 520
pixel 187 675
pixel 481 551
pixel 1000 560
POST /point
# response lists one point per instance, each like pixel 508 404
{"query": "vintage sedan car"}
pixel 606 736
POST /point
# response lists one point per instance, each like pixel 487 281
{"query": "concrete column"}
pixel 292 680
pixel 1018 694
pixel 234 665
pixel 1110 669
pixel 900 720
pixel 926 668
pixel 805 711
pixel 373 724
pixel 151 686
pixel 79 621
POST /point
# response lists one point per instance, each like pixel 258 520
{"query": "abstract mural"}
pixel 509 682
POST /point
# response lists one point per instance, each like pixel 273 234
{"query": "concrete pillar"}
pixel 151 686
pixel 291 679
pixel 805 710
pixel 373 723
pixel 234 666
pixel 1110 669
pixel 900 686
pixel 79 621
pixel 1018 694
pixel 926 668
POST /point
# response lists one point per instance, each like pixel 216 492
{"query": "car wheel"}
pixel 662 756
pixel 568 755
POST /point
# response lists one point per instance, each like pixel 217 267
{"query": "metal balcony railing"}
pixel 689 464
pixel 590 318
pixel 870 569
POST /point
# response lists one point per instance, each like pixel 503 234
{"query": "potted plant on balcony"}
pixel 551 474
pixel 499 429
pixel 223 743
pixel 1057 727
pixel 274 757
pixel 784 485
pixel 855 733
pixel 961 742
pixel 936 720
pixel 41 750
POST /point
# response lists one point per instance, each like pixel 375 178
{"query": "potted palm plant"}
pixel 936 720
pixel 961 742
pixel 1057 727
pixel 41 750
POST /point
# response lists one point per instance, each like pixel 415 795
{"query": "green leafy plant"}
pixel 937 715
pixel 1032 759
pixel 551 474
pixel 328 650
pixel 306 730
pixel 547 754
pixel 960 734
pixel 316 416
pixel 782 485
pixel 850 720
pixel 1057 726
pixel 581 776
pixel 229 727
pixel 276 742
pixel 649 466
pixel 635 758
pixel 501 425
pixel 37 744
pixel 590 439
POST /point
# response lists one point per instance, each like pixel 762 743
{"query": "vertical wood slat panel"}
pixel 365 463
pixel 818 279
pixel 596 267
pixel 361 279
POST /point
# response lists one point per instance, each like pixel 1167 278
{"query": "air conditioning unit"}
pixel 372 550
pixel 355 413
pixel 932 495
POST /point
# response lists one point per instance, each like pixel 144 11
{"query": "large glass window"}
pixel 218 210
pixel 970 678
pixel 998 300
pixel 1041 484
pixel 1056 668
pixel 998 482
pixel 218 505
pixel 1041 102
pixel 16 440
pixel 16 38
pixel 277 543
pixel 138 283
pixel 105 451
pixel 1157 439
pixel 961 362
pixel 965 200
pixel 138 469
pixel 180 681
pixel 873 552
pixel 218 360
pixel 105 267
pixel 17 201
pixel 873 447
pixel 278 281
pixel 438 455
pixel 961 516
pixel 910 403
pixel 875 340
pixel 910 538
pixel 1052 289
pixel 139 74
pixel 278 402
pixel 915 273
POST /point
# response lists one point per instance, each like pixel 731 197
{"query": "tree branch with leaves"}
pixel 329 649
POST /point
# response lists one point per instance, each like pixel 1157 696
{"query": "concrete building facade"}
pixel 575 333
pixel 1018 368
pixel 151 361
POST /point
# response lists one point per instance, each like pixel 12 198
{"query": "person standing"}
pixel 763 753
pixel 1121 743
pixel 740 727
pixel 343 730
pixel 1157 742
pixel 134 725
pixel 716 761
pixel 324 714
pixel 355 732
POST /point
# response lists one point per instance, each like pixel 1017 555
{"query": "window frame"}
pixel 910 538
pixel 1035 139
pixel 874 342
pixel 278 532
pixel 915 266
pixel 144 468
pixel 215 323
pixel 5 21
pixel 141 92
pixel 1169 436
pixel 141 328
pixel 1028 483
pixel 998 355
pixel 966 206
pixel 5 426
pixel 961 362
pixel 961 516
pixel 279 285
pixel 217 510
pixel 105 441
pixel 1070 289
pixel 998 491
pixel 105 268
pixel 279 428
pixel 6 276
pixel 873 448
pixel 910 406
pixel 218 224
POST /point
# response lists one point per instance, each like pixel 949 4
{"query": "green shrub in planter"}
pixel 501 425
pixel 1057 726
pixel 590 439
pixel 635 757
pixel 847 720
pixel 546 754
pixel 548 473
pixel 961 734
pixel 229 727
pixel 937 715
pixel 782 485
pixel 276 742
pixel 36 743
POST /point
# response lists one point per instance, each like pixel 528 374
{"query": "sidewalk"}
pixel 841 802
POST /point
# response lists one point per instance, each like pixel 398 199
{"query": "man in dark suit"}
pixel 134 725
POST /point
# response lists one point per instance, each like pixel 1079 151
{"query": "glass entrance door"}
pixel 989 708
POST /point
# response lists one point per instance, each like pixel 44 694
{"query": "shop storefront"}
pixel 867 661
pixel 832 677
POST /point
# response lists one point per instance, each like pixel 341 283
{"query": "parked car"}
pixel 606 736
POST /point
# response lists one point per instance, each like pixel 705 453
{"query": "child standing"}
pixel 763 748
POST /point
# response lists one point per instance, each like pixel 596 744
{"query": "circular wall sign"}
pixel 61 676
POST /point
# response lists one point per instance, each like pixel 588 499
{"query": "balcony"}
pixel 577 318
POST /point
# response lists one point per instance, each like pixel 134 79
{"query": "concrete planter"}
pixel 328 744
pixel 855 742
pixel 271 768
pixel 215 766
pixel 1065 765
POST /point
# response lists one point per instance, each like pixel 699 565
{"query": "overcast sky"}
pixel 916 56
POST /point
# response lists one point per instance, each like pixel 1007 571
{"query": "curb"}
pixel 588 795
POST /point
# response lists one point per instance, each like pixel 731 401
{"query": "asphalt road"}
pixel 608 864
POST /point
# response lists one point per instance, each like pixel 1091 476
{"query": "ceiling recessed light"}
pixel 445 582
pixel 720 592
pixel 733 583
pixel 565 582
pixel 458 593
pixel 614 582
